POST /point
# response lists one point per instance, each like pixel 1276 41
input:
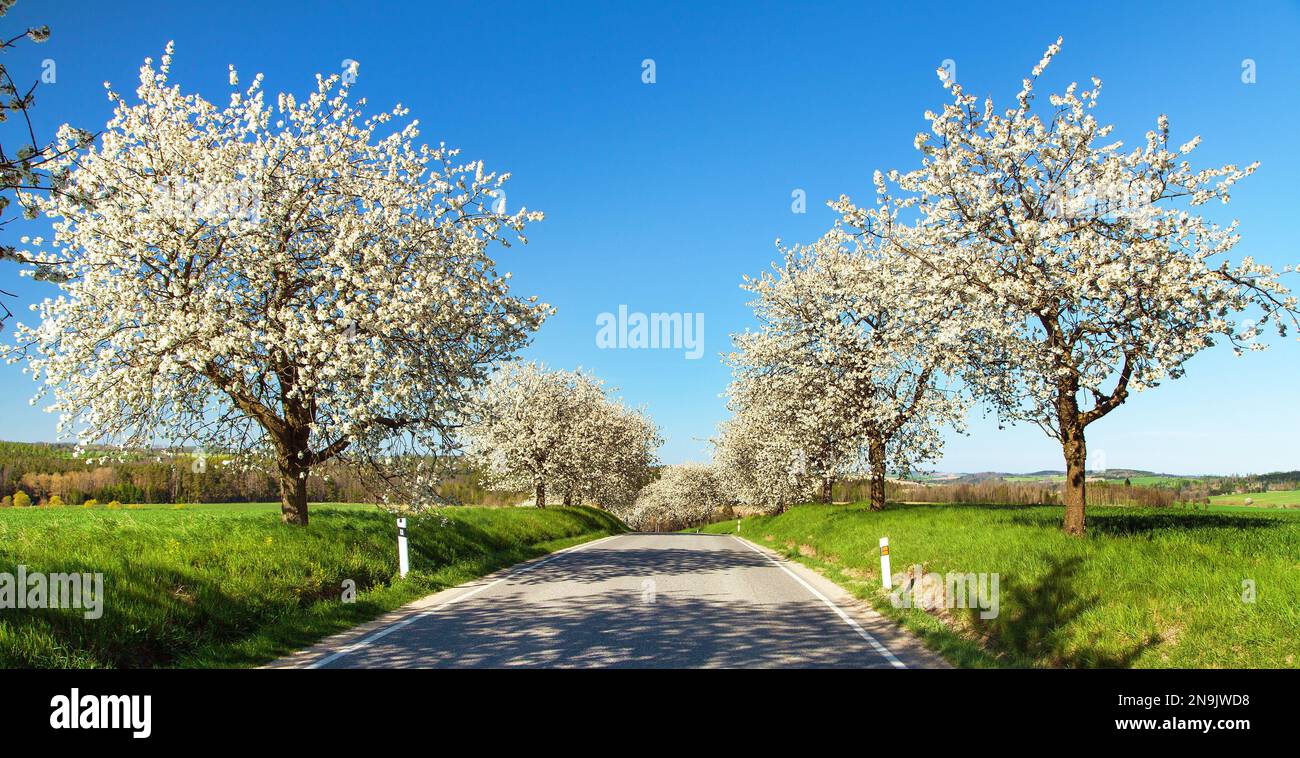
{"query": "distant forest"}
pixel 46 470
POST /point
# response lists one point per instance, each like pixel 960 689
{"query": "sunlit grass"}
pixel 229 585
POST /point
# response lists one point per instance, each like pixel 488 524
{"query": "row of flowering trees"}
pixel 298 282
pixel 681 496
pixel 1030 261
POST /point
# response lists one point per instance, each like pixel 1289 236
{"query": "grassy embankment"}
pixel 1146 588
pixel 229 585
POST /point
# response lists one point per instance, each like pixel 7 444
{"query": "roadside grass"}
pixel 1278 498
pixel 1147 588
pixel 228 585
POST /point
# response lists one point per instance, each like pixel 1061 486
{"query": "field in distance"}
pixel 1275 499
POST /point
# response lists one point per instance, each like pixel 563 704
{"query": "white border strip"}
pixel 875 644
pixel 348 650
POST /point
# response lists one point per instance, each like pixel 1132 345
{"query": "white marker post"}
pixel 737 526
pixel 885 578
pixel 403 556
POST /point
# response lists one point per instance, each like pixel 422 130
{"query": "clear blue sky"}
pixel 660 196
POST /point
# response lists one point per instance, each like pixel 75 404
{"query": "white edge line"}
pixel 348 650
pixel 875 643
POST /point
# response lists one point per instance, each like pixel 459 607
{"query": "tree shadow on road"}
pixel 656 607
pixel 594 566
pixel 621 629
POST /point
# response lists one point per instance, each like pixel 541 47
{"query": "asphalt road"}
pixel 635 600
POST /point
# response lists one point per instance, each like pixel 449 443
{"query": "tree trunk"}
pixel 828 483
pixel 293 491
pixel 1075 448
pixel 876 460
pixel 539 494
pixel 568 499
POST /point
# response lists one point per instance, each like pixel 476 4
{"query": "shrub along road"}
pixel 634 600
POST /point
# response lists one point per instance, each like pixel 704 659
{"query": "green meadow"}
pixel 1275 499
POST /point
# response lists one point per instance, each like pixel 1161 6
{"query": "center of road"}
pixel 635 600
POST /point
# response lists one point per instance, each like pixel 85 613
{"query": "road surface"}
pixel 633 600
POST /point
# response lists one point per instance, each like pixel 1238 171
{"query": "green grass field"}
pixel 229 585
pixel 1147 588
pixel 1278 499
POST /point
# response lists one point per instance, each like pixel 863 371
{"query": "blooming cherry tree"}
pixel 615 455
pixel 1081 269
pixel 558 432
pixel 684 495
pixel 855 347
pixel 293 279
pixel 757 459
pixel 788 440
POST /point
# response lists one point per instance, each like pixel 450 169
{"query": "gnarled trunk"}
pixel 1075 448
pixel 876 460
pixel 293 491
pixel 293 447
pixel 828 483
pixel 539 493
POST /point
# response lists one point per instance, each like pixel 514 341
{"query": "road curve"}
pixel 634 600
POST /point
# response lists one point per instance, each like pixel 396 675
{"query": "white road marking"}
pixel 428 611
pixel 875 643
